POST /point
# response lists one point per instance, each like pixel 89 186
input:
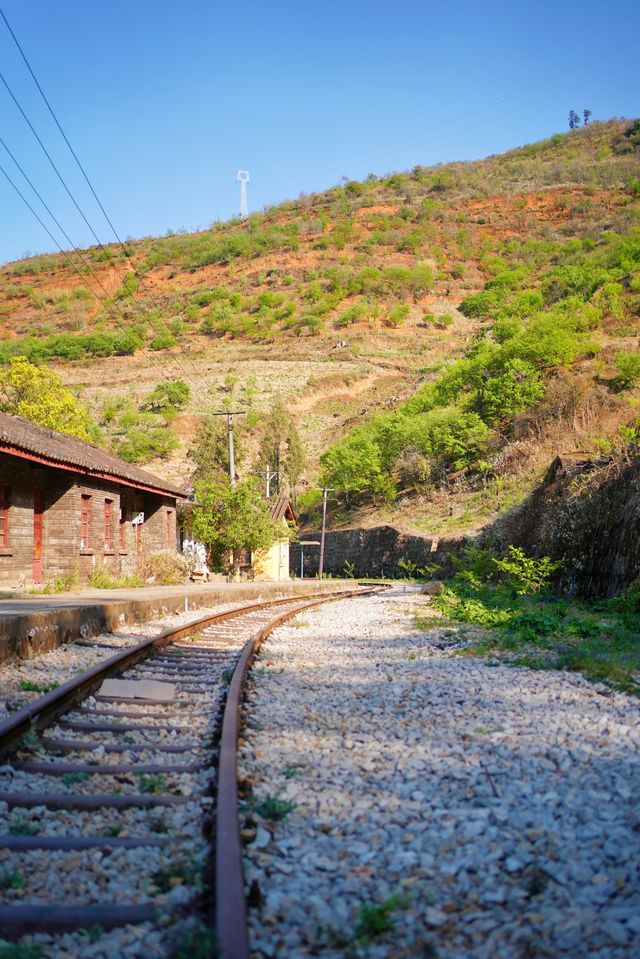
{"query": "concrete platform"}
pixel 31 625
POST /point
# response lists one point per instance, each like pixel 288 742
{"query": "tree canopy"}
pixel 38 394
pixel 232 517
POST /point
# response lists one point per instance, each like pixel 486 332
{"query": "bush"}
pixel 144 439
pixel 174 395
pixel 526 574
pixel 628 366
pixel 167 567
pixel 163 341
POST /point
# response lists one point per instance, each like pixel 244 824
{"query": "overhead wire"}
pixel 135 270
pixel 102 248
pixel 108 303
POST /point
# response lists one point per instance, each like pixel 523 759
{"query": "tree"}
pixel 574 120
pixel 586 117
pixel 144 438
pixel 170 395
pixel 231 517
pixel 38 394
pixel 211 448
pixel 281 447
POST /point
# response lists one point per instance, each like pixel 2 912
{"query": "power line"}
pixel 85 262
pixel 65 253
pixel 90 185
pixel 471 111
pixel 94 234
pixel 56 121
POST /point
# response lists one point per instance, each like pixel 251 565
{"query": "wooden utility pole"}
pixel 325 490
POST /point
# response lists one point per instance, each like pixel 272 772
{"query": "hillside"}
pixel 350 302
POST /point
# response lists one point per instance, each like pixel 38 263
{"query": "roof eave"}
pixel 88 471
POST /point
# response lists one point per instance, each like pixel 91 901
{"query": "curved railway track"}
pixel 131 787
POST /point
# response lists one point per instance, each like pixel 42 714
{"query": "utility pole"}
pixel 230 414
pixel 269 476
pixel 325 490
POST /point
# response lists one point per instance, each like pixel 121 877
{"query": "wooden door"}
pixel 37 536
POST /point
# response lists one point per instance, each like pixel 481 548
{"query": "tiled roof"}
pixel 20 437
pixel 281 508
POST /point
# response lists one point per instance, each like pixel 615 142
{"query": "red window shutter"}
pixel 85 521
pixel 4 516
pixel 108 520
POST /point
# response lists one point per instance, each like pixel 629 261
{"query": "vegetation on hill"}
pixel 551 307
pixel 486 315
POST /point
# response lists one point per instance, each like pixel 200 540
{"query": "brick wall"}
pixel 61 496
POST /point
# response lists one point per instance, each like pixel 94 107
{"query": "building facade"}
pixel 67 507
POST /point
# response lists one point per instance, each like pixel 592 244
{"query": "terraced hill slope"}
pixel 347 303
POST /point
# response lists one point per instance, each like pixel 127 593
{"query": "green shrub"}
pixel 525 573
pixel 628 366
pixel 163 341
pixel 174 394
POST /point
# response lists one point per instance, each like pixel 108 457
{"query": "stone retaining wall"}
pixel 374 552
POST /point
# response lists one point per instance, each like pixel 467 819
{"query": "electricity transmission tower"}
pixel 242 177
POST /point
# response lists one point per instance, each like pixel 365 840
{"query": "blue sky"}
pixel 164 100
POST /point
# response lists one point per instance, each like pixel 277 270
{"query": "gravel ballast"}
pixel 481 810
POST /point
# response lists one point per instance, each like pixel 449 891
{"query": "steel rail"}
pixel 230 905
pixel 232 935
pixel 47 708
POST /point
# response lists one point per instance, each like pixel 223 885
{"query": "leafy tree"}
pixel 515 389
pixel 355 465
pixel 628 365
pixel 38 394
pixel 165 395
pixel 574 120
pixel 232 517
pixel 586 117
pixel 144 438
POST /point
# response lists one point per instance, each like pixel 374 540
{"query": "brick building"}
pixel 68 506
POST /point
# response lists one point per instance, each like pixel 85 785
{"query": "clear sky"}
pixel 163 100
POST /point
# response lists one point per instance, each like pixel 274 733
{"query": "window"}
pixel 4 516
pixel 108 524
pixel 122 527
pixel 85 522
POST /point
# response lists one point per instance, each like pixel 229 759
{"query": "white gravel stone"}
pixel 497 805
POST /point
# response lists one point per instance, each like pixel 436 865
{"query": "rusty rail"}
pixel 46 709
pixel 230 909
pixel 232 935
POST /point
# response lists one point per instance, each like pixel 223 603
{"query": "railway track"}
pixel 109 802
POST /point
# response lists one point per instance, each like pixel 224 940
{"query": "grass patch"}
pixel 11 879
pixel 101 578
pixel 19 826
pixel 600 640
pixel 70 779
pixel 14 950
pixel 180 873
pixel 29 686
pixel 272 808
